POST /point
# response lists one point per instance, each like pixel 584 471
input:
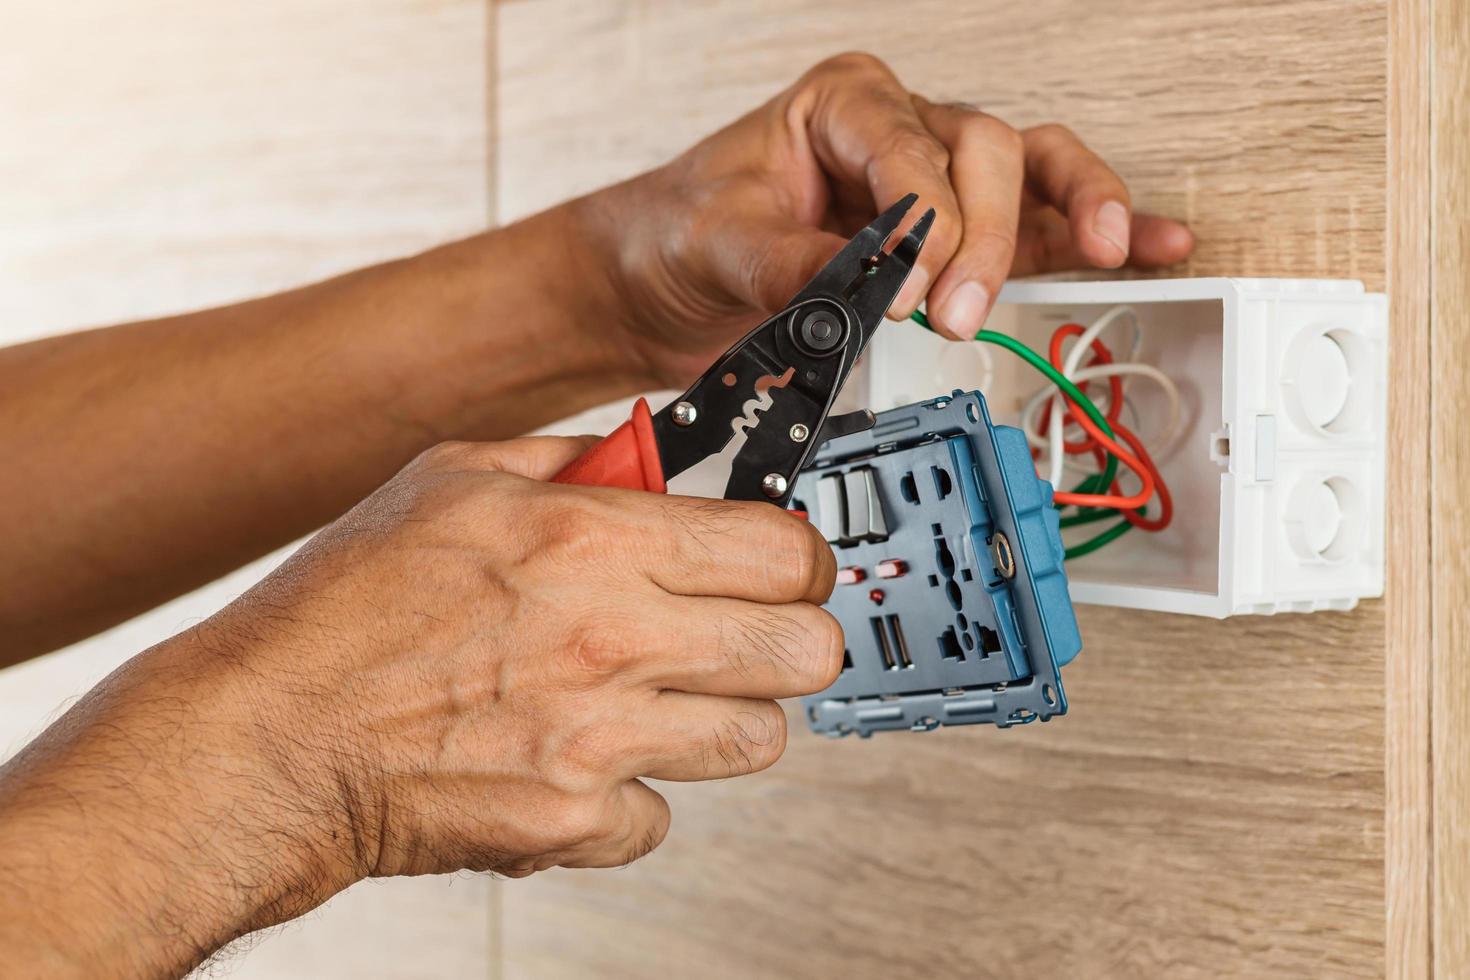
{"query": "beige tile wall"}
pixel 160 155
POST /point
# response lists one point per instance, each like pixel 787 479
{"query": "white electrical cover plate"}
pixel 1278 479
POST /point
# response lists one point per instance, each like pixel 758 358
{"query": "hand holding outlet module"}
pixel 470 669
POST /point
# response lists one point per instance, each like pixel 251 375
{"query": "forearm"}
pixel 144 830
pixel 146 459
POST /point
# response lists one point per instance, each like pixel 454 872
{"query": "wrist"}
pixel 529 314
pixel 611 253
pixel 624 249
pixel 276 765
pixel 146 829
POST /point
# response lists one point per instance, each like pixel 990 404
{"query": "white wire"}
pixel 1069 371
pixel 1167 438
pixel 1029 420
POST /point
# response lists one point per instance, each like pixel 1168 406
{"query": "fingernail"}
pixel 909 296
pixel 962 313
pixel 1112 223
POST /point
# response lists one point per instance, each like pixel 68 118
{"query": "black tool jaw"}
pixel 765 403
pixel 772 389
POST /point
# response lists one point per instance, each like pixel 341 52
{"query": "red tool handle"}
pixel 627 458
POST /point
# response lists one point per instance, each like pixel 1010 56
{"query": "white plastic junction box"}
pixel 1278 479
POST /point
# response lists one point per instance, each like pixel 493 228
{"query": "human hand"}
pixel 701 248
pixel 474 668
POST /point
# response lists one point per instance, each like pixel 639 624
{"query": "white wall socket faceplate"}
pixel 1278 480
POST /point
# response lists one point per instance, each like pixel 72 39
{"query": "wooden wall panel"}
pixel 1239 835
pixel 160 155
pixel 1408 678
pixel 1450 345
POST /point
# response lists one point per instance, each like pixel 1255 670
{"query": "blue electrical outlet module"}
pixel 951 590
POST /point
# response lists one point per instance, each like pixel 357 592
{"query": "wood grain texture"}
pixel 1450 343
pixel 1408 814
pixel 161 155
pixel 1214 805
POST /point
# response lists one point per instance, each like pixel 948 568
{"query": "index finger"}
pixel 866 132
pixel 739 549
pixel 988 174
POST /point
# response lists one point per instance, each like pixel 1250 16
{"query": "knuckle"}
pixel 601 645
pixel 792 563
pixel 521 870
pixel 803 643
pixel 572 529
pixel 752 739
pixel 1052 134
pixel 585 757
pixel 577 821
pixel 982 128
pixel 811 568
pixel 643 840
pixel 768 639
pixel 827 643
pixel 988 241
pixel 756 268
pixel 854 63
pixel 686 519
pixel 442 456
pixel 910 144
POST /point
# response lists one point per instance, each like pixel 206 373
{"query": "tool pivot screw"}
pixel 819 333
pixel 773 485
pixel 684 413
pixel 799 433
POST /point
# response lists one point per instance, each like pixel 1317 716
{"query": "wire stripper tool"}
pixel 763 407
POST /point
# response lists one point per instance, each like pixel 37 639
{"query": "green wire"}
pixel 1087 515
pixel 1096 483
pixel 1039 363
pixel 1093 544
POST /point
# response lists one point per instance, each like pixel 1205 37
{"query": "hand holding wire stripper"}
pixel 775 388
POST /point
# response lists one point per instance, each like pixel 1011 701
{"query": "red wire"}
pixel 1101 355
pixel 1115 404
pixel 1166 502
pixel 1147 472
pixel 1145 475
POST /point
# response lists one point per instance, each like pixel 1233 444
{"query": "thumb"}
pixel 763 262
pixel 535 457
